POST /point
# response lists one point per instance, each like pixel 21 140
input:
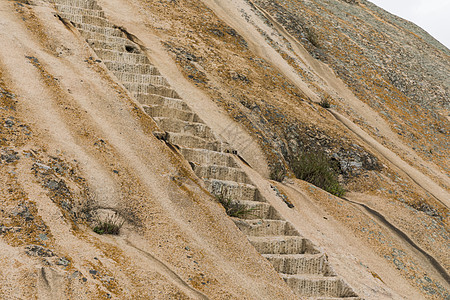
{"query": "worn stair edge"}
pixel 86 19
pixel 259 210
pixel 121 45
pixel 158 111
pixel 107 31
pixel 292 264
pixel 132 68
pixel 79 11
pixel 190 141
pixel 88 35
pixel 117 56
pixel 178 126
pixel 141 78
pixel 208 157
pixel 158 90
pixel 266 227
pixel 79 3
pixel 221 173
pixel 233 190
pixel 283 245
pixel 318 286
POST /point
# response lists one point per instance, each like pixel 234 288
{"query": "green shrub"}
pixel 234 208
pixel 110 225
pixel 316 168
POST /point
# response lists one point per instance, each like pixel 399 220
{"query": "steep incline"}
pixel 145 112
pixel 74 147
pixel 304 268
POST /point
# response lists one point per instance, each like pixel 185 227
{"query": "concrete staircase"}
pixel 303 266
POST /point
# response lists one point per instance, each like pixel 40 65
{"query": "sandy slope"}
pixel 177 242
pixel 351 257
pixel 129 15
pixel 182 245
pixel 230 12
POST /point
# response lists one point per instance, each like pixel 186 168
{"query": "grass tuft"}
pixel 110 225
pixel 325 103
pixel 316 168
pixel 234 208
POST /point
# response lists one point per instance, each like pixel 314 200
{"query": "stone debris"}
pixel 35 250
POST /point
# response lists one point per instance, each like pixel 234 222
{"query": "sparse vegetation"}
pixel 316 168
pixel 109 225
pixel 234 208
pixel 278 172
pixel 325 103
pixel 312 37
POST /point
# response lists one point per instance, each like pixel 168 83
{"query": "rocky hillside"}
pixel 155 150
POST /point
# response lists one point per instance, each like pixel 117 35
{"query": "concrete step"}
pixel 105 40
pixel 170 103
pixel 221 173
pixel 315 264
pixel 266 227
pixel 86 4
pixel 166 112
pixel 208 157
pixel 86 19
pixel 259 210
pixel 318 286
pixel 88 35
pixel 283 245
pixel 108 31
pixel 125 57
pixel 131 68
pixel 79 11
pixel 141 78
pixel 120 45
pixel 158 90
pixel 233 190
pixel 200 130
pixel 190 141
pixel 94 36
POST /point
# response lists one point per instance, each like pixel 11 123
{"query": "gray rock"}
pixel 9 155
pixel 9 123
pixel 35 250
pixel 53 184
pixel 62 261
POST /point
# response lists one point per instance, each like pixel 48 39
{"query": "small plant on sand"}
pixel 109 225
pixel 278 172
pixel 325 103
pixel 312 37
pixel 234 208
pixel 316 168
